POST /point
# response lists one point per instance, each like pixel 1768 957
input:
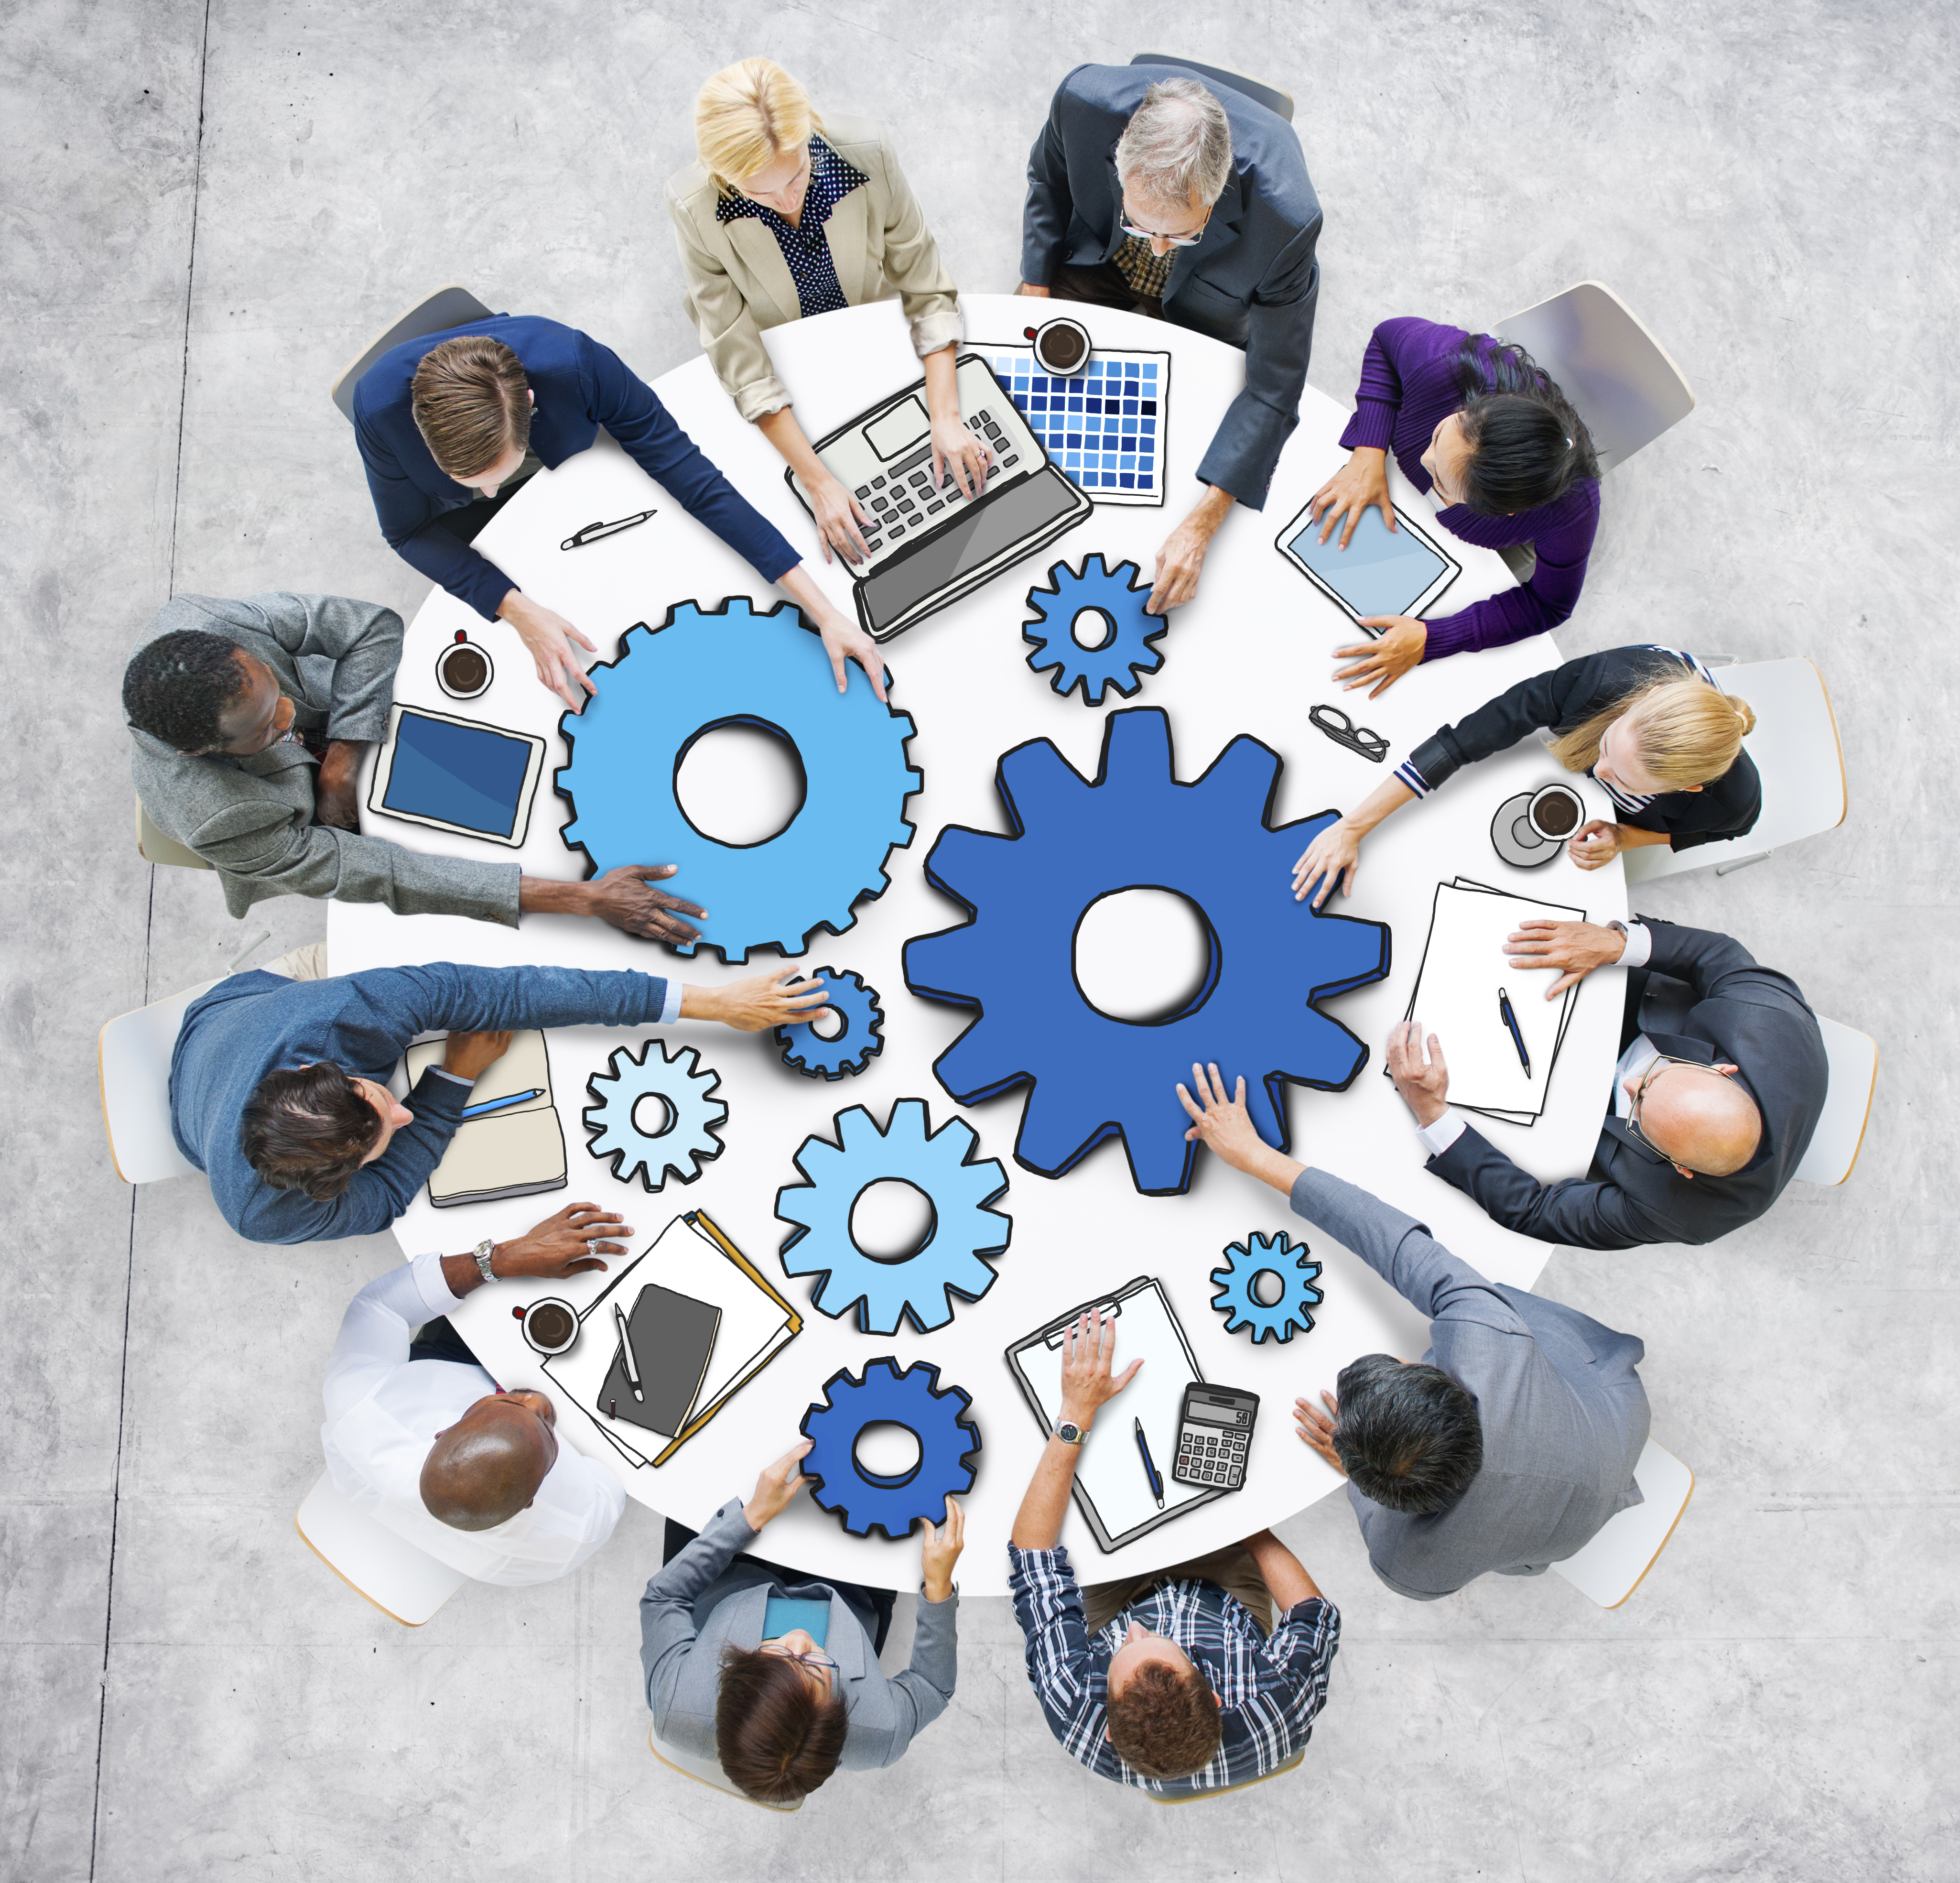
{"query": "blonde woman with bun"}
pixel 1648 724
pixel 786 214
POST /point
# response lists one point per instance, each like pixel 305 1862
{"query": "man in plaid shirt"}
pixel 1179 1682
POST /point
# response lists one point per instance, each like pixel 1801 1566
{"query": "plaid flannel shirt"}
pixel 1272 1686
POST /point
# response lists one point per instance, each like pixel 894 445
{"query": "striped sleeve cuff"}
pixel 1410 776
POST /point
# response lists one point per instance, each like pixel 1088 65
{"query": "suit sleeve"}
pixel 1279 343
pixel 362 639
pixel 409 523
pixel 1045 216
pixel 666 1609
pixel 912 264
pixel 920 1694
pixel 1580 1211
pixel 729 335
pixel 1542 700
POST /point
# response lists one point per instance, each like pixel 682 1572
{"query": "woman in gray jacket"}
pixel 776 1676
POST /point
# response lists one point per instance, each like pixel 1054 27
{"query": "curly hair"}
pixel 1165 1724
pixel 308 1129
pixel 775 1739
pixel 178 688
pixel 1528 444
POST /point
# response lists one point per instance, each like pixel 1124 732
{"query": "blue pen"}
pixel 1511 1020
pixel 1149 1470
pixel 502 1104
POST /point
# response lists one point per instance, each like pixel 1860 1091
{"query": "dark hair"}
pixel 776 1740
pixel 1528 446
pixel 1164 1724
pixel 178 687
pixel 1408 1436
pixel 307 1129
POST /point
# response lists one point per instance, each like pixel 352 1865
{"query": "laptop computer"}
pixel 929 547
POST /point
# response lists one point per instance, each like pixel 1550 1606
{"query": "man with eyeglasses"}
pixel 1148 192
pixel 1721 1079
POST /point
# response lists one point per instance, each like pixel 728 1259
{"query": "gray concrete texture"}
pixel 210 208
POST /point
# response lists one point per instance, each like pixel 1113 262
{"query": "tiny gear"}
pixel 1127 651
pixel 936 1415
pixel 1279 1255
pixel 688 1141
pixel 964 1230
pixel 852 1050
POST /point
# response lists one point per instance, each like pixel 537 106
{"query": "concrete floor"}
pixel 210 205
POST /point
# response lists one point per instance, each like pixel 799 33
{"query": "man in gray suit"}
pixel 774 1675
pixel 1511 1441
pixel 249 721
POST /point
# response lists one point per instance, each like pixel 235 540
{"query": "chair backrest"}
pixel 1275 100
pixel 1796 751
pixel 371 1560
pixel 705 1772
pixel 132 1062
pixel 449 306
pixel 1610 1568
pixel 153 847
pixel 1613 370
pixel 1848 1104
pixel 1225 1791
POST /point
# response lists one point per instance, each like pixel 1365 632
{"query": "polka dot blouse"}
pixel 805 245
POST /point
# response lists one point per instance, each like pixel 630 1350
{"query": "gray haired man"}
pixel 1149 193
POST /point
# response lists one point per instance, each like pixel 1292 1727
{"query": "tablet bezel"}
pixel 384 771
pixel 1451 570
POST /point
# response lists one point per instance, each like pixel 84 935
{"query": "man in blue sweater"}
pixel 278 1088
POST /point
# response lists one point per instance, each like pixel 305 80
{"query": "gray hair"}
pixel 1177 145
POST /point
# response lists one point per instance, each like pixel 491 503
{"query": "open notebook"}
pixel 704 1323
pixel 513 1149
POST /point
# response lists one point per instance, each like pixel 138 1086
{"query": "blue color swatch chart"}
pixel 1104 427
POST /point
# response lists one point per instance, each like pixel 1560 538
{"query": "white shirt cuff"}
pixel 1439 1137
pixel 1640 946
pixel 670 1006
pixel 455 1078
pixel 427 1270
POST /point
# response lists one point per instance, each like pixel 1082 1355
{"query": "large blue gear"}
pixel 1292 1314
pixel 854 1049
pixel 964 1229
pixel 690 1139
pixel 1135 826
pixel 1129 651
pixel 705 668
pixel 936 1415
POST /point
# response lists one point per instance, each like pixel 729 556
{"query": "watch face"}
pixel 1069 1432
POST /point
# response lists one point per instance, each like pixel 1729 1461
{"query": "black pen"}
pixel 1511 1020
pixel 1149 1470
pixel 596 532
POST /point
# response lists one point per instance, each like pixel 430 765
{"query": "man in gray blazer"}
pixel 1148 192
pixel 249 721
pixel 1511 1441
pixel 781 1709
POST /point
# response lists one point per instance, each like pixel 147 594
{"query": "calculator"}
pixel 1214 1432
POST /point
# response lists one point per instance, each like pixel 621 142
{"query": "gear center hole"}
pixel 653 1116
pixel 828 1024
pixel 738 782
pixel 891 1220
pixel 1092 629
pixel 1268 1288
pixel 887 1453
pixel 1145 956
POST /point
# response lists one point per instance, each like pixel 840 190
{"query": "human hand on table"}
pixel 940 1547
pixel 1029 288
pixel 1576 947
pixel 1424 1084
pixel 778 1485
pixel 626 898
pixel 841 520
pixel 1316 1429
pixel 843 640
pixel 548 637
pixel 1382 662
pixel 773 998
pixel 1180 561
pixel 470 1055
pixel 959 456
pixel 1333 860
pixel 1226 1126
pixel 1088 1355
pixel 569 1243
pixel 1363 480
pixel 1595 844
pixel 336 785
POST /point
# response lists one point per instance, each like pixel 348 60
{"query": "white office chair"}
pixel 371 1560
pixel 153 847
pixel 449 307
pixel 1616 374
pixel 705 1772
pixel 1798 753
pixel 1611 1567
pixel 1848 1104
pixel 132 1062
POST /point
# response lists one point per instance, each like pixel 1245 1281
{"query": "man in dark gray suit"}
pixel 1513 1439
pixel 1148 192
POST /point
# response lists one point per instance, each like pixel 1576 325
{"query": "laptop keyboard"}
pixel 903 499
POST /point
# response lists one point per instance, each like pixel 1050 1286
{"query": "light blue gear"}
pixel 855 1047
pixel 1128 652
pixel 1074 841
pixel 964 1230
pixel 689 1140
pixel 733 666
pixel 1292 1314
pixel 934 1415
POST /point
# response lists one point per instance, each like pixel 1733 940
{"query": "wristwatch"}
pixel 1069 1432
pixel 483 1252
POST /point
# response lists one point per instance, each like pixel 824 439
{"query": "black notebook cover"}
pixel 673 1336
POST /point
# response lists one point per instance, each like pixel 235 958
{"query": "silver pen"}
pixel 626 1353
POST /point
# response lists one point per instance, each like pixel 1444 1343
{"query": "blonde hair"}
pixel 748 116
pixel 1687 732
pixel 471 403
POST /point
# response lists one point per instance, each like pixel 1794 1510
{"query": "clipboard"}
pixel 1109 1483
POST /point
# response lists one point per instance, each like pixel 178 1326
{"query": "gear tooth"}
pixel 1136 746
pixel 1244 772
pixel 1037 770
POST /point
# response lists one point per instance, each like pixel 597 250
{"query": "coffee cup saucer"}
pixel 1514 839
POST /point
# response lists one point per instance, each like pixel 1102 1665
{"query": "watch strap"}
pixel 484 1251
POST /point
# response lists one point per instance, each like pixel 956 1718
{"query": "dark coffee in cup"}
pixel 550 1325
pixel 462 670
pixel 1061 346
pixel 1555 812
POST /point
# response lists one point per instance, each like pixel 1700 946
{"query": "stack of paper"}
pixel 1464 969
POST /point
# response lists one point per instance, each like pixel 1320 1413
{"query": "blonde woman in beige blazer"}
pixel 785 215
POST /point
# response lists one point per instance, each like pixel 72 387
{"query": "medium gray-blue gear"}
pixel 854 1049
pixel 1130 650
pixel 1292 1314
pixel 688 1141
pixel 964 1229
pixel 936 1415
pixel 731 666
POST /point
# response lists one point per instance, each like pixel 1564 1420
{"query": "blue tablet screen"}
pixel 1377 573
pixel 469 775
pixel 782 1613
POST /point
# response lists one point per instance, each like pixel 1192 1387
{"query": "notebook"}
pixel 674 1341
pixel 1111 1491
pixel 516 1152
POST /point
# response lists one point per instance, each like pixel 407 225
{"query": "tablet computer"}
pixel 456 774
pixel 1380 572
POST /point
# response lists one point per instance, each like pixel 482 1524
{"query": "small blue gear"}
pixel 688 1141
pixel 707 668
pixel 964 1229
pixel 852 1050
pixel 1128 651
pixel 949 1441
pixel 1074 841
pixel 1292 1314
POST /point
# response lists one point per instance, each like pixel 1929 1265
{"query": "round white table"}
pixel 1249 655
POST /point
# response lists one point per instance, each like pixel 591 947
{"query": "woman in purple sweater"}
pixel 1475 421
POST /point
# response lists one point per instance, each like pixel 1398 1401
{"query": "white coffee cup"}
pixel 1555 812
